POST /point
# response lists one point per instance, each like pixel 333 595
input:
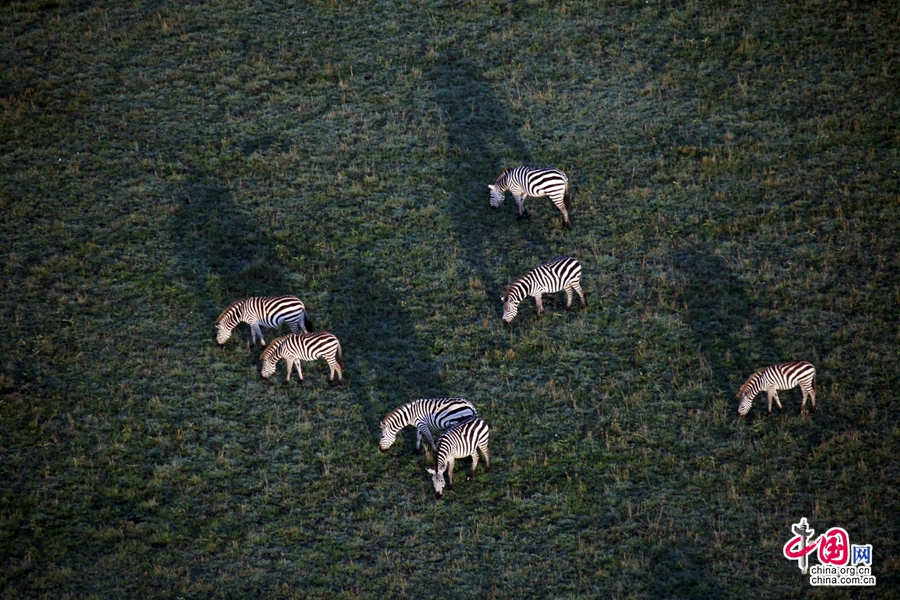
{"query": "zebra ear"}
pixel 430 471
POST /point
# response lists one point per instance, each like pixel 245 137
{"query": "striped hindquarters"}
pixel 272 311
pixel 540 181
pixel 437 414
pixel 461 441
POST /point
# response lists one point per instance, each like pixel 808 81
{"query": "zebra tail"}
pixel 340 356
pixel 307 321
pixel 567 198
pixel 815 391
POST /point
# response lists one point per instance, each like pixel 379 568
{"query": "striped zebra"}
pixel 466 439
pixel 295 347
pixel 534 182
pixel 426 415
pixel 561 274
pixel 271 311
pixel 782 376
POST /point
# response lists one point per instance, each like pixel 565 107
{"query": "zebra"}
pixel 427 414
pixel 561 274
pixel 270 311
pixel 534 182
pixel 783 376
pixel 295 347
pixel 463 440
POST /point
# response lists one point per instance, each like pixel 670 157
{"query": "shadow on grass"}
pixel 223 246
pixel 723 318
pixel 483 141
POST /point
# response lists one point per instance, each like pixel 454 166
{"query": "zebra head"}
pixel 227 321
pixel 437 478
pixel 269 358
pixel 496 196
pixel 388 436
pixel 510 308
pixel 745 404
pixel 223 332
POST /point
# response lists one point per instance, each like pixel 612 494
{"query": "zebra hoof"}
pixel 470 476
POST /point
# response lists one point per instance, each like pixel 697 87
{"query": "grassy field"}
pixel 735 169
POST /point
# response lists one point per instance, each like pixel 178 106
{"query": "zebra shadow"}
pixel 723 319
pixel 482 141
pixel 227 251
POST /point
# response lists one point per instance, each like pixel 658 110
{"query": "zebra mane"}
pixel 750 380
pixel 272 348
pixel 396 410
pixel 501 175
pixel 231 307
pixel 510 288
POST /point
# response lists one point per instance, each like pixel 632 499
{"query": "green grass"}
pixel 736 202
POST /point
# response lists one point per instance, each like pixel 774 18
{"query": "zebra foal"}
pixel 465 439
pixel 270 311
pixel 534 182
pixel 783 376
pixel 305 346
pixel 426 415
pixel 561 274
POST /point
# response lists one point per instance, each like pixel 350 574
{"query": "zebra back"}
pixel 438 413
pixel 554 276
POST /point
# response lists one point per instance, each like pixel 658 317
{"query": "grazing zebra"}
pixel 782 376
pixel 295 347
pixel 561 274
pixel 438 414
pixel 270 311
pixel 534 182
pixel 466 439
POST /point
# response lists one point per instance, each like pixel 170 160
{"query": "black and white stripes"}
pixel 466 439
pixel 562 274
pixel 269 311
pixel 305 346
pixel 426 415
pixel 535 182
pixel 783 376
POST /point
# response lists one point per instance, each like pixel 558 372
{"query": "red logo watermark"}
pixel 841 562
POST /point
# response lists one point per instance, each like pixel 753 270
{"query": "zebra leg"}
pixel 257 332
pixel 487 458
pixel 777 401
pixel 812 396
pixel 565 215
pixel 422 432
pixel 450 463
pixel 299 371
pixel 520 202
pixel 539 305
pixel 293 326
pixel 568 298
pixel 577 287
pixel 769 394
pixel 290 366
pixel 474 458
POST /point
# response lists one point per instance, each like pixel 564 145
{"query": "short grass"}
pixel 736 181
